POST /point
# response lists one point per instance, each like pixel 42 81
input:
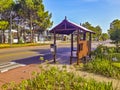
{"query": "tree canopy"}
pixel 114 32
pixel 97 29
pixel 3 25
pixel 114 25
pixel 115 35
pixel 31 12
pixel 104 36
pixel 34 13
pixel 5 4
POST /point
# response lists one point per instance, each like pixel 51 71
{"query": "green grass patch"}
pixel 55 79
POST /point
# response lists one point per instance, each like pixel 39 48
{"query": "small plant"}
pixel 64 66
pixel 41 58
pixel 55 79
pixel 103 67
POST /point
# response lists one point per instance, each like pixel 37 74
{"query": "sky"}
pixel 96 12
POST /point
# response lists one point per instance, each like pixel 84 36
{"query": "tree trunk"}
pixel 0 38
pixel 24 36
pixel 33 34
pixel 38 36
pixel 3 36
pixel 117 46
pixel 31 37
pixel 18 34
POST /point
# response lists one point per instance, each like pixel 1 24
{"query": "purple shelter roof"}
pixel 68 27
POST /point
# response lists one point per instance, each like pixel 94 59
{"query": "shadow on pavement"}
pixel 63 57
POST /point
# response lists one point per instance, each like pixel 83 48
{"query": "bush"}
pixel 104 52
pixel 55 79
pixel 103 67
pixel 114 55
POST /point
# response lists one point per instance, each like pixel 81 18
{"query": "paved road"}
pixel 29 55
pixel 19 53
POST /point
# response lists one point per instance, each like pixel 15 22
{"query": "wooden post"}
pixel 90 39
pixel 71 49
pixel 54 56
pixel 84 36
pixel 78 38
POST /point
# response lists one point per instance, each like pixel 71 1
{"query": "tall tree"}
pixel 35 14
pixel 96 29
pixel 104 36
pixel 5 6
pixel 115 36
pixel 114 32
pixel 43 19
pixel 18 18
pixel 98 32
pixel 114 25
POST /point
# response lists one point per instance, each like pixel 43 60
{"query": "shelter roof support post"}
pixel 78 38
pixel 84 36
pixel 90 41
pixel 54 56
pixel 71 49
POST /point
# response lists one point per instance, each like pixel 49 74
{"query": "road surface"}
pixel 32 54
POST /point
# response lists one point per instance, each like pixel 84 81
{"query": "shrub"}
pixel 55 79
pixel 104 52
pixel 103 67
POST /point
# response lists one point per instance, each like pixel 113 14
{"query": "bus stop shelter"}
pixel 67 27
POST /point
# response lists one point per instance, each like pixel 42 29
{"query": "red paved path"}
pixel 18 74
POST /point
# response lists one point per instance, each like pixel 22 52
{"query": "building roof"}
pixel 68 27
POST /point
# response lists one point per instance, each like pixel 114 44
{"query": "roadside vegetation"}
pixel 23 19
pixel 103 67
pixel 114 33
pixel 58 79
pixel 21 45
pixel 106 61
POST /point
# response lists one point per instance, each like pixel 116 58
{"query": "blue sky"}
pixel 96 12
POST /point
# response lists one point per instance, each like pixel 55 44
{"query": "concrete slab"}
pixel 8 66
